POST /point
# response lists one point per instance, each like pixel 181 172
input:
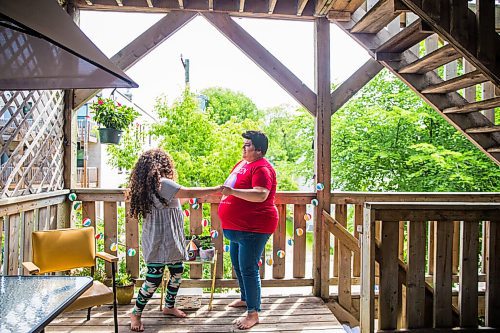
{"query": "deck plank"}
pixel 279 314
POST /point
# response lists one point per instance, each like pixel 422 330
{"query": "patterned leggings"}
pixel 153 281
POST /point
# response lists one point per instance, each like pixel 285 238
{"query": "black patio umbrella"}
pixel 42 48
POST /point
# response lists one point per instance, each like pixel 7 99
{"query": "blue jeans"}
pixel 245 250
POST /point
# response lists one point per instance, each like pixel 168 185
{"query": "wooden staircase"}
pixel 464 36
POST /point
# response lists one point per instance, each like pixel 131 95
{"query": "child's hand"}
pixel 226 190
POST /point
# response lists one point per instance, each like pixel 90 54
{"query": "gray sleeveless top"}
pixel 163 229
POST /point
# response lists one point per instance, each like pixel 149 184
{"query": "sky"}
pixel 215 61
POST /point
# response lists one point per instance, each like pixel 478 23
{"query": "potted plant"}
pixel 207 249
pixel 124 288
pixel 114 117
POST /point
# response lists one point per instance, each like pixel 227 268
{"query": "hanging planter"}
pixel 114 117
pixel 110 135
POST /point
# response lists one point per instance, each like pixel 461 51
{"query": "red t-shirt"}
pixel 242 215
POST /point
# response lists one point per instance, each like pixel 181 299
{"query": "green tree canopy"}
pixel 388 139
pixel 223 104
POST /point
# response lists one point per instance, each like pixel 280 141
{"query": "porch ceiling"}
pixel 277 9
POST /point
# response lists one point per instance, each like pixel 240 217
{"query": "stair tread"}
pixel 459 82
pixel 431 61
pixel 476 106
pixel 404 39
pixel 377 17
pixel 483 129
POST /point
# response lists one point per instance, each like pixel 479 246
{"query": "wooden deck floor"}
pixel 279 314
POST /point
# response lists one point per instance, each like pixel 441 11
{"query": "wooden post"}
pixel 322 155
pixel 70 125
pixel 131 242
pixel 443 233
pixel 467 294
pixel 367 298
pixel 415 278
pixel 388 290
pixel 492 298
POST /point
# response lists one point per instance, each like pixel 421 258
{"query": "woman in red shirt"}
pixel 249 217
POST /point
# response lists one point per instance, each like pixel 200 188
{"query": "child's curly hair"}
pixel 145 180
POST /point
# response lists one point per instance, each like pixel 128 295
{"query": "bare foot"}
pixel 174 312
pixel 136 323
pixel 237 304
pixel 249 321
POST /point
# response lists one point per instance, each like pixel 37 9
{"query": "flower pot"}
pixel 207 254
pixel 124 294
pixel 110 135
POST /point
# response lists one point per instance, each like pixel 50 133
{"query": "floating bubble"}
pixel 214 234
pixel 280 254
pixel 77 205
pixel 320 186
pixel 86 222
pixel 99 236
pixel 113 247
pixel 204 223
pixel 72 196
pixel 299 231
pixel 186 212
pixel 269 261
pixel 260 262
pixel 193 201
pixel 131 252
pixel 307 216
pixel 195 206
pixel 226 248
pixel 314 202
pixel 290 241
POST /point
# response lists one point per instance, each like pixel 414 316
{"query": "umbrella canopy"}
pixel 42 48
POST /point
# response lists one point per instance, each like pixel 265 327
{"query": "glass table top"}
pixel 29 303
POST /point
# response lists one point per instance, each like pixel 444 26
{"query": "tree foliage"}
pixel 388 139
pixel 203 150
pixel 224 104
pixel 384 139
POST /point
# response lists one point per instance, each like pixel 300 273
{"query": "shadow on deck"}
pixel 279 314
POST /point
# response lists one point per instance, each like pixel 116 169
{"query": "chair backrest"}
pixel 63 249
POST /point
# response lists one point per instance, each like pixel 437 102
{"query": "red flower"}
pixel 100 101
pixel 118 104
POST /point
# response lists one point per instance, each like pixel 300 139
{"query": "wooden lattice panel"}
pixel 31 142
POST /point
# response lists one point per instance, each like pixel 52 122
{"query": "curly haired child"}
pixel 154 197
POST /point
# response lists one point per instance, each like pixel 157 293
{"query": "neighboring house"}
pixel 99 174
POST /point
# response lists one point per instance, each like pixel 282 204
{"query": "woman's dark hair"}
pixel 259 140
pixel 145 180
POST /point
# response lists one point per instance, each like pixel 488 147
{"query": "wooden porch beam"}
pixel 150 3
pixel 264 59
pixel 140 47
pixel 354 83
pixel 301 4
pixel 241 7
pixel 272 4
pixel 181 4
pixel 322 153
pixel 323 6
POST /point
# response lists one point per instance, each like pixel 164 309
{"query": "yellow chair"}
pixel 65 249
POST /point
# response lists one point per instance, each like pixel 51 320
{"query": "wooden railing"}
pixel 88 179
pixel 406 299
pixel 20 216
pixel 342 227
